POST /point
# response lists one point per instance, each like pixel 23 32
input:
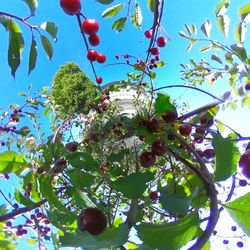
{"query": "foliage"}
pixel 158 171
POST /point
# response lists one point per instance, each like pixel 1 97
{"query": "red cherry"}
pixel 90 26
pixel 147 159
pixel 159 148
pixel 153 195
pixel 72 146
pixel 208 153
pixel 206 120
pixel 92 220
pixel 161 41
pixel 71 7
pixel 152 124
pixel 244 161
pixel 170 116
pixel 98 79
pixel 92 55
pixel 246 172
pixel 101 58
pixel 94 39
pixel 148 33
pixel 247 86
pixel 155 51
pixel 185 130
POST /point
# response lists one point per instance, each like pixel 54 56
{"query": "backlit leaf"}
pixel 244 11
pixel 222 7
pixel 223 24
pixel 119 24
pixel 163 104
pixel 51 28
pixel 112 11
pixel 216 58
pixel 33 55
pixel 47 46
pixel 151 5
pixel 206 28
pixel 137 18
pixel 239 209
pixel 32 5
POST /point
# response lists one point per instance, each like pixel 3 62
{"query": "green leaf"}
pixel 111 238
pixel 137 17
pixel 32 5
pixel 32 56
pixel 216 58
pixel 113 11
pixel 206 28
pixel 206 48
pixel 48 193
pixel 223 24
pixel 51 28
pixel 6 244
pixel 83 160
pixel 244 11
pixel 23 131
pixel 47 46
pixel 240 51
pixel 133 185
pixel 60 219
pixel 20 198
pixel 174 235
pixel 151 5
pixel 183 34
pixel 239 209
pixel 227 157
pixel 11 162
pixel 222 7
pixel 163 104
pixel 119 24
pixel 82 199
pixel 80 179
pixel 117 157
pixel 240 32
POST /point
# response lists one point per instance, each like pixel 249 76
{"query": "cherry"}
pixel 240 244
pixel 8 224
pixel 92 55
pixel 159 148
pixel 244 161
pixel 242 183
pixel 161 41
pixel 101 58
pixel 206 120
pixel 153 195
pixel 185 130
pixel 247 86
pixel 71 7
pixel 170 116
pixel 90 26
pixel 233 228
pixel 72 146
pixel 152 124
pixel 94 39
pixel 147 159
pixel 59 166
pixel 208 153
pixel 248 146
pixel 148 34
pixel 15 205
pixel 246 172
pixel 92 220
pixel 155 51
pixel 98 79
pixel 225 242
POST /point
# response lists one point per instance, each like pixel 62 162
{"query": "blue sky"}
pixel 70 47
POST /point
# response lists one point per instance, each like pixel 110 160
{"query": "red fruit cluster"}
pixel 92 220
pixel 244 163
pixel 71 7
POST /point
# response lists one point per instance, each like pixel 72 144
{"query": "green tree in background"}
pixel 72 91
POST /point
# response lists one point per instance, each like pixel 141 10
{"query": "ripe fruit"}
pixel 159 148
pixel 71 7
pixel 244 161
pixel 98 79
pixel 153 195
pixel 147 159
pixel 101 58
pixel 155 51
pixel 92 55
pixel 206 120
pixel 161 41
pixel 185 130
pixel 72 146
pixel 94 39
pixel 242 183
pixel 246 172
pixel 92 220
pixel 59 166
pixel 148 34
pixel 247 86
pixel 90 26
pixel 208 153
pixel 152 124
pixel 170 116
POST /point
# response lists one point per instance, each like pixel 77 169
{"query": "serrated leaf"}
pixel 216 58
pixel 226 158
pixel 51 28
pixel 223 23
pixel 163 104
pixel 113 11
pixel 137 18
pixel 244 11
pixel 174 235
pixel 160 64
pixel 151 5
pixel 117 157
pixel 206 48
pixel 183 34
pixel 11 162
pixel 80 179
pixel 239 209
pixel 32 5
pixel 111 238
pixel 240 32
pixel 20 198
pixel 47 46
pixel 206 28
pixel 32 56
pixel 137 180
pixel 119 24
pixel 221 8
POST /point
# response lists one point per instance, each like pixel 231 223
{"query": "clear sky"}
pixel 70 47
